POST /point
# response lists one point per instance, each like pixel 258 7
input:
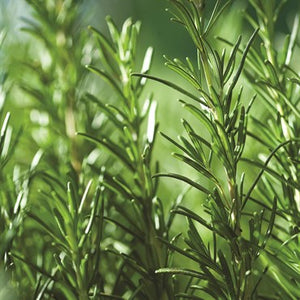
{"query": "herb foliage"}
pixel 85 206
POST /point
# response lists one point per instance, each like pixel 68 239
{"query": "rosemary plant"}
pixel 228 269
pixel 132 190
pixel 66 264
pixel 83 215
pixel 13 195
pixel 270 71
pixel 15 185
pixel 9 215
pixel 56 73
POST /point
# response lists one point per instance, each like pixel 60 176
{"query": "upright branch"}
pixel 218 105
pixel 133 189
pixel 57 71
pixel 270 70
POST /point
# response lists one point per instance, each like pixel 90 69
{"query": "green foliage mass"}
pixel 91 204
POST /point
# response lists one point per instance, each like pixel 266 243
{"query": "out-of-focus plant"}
pixel 14 191
pixel 60 253
pixel 68 268
pixel 10 197
pixel 271 72
pixel 55 81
